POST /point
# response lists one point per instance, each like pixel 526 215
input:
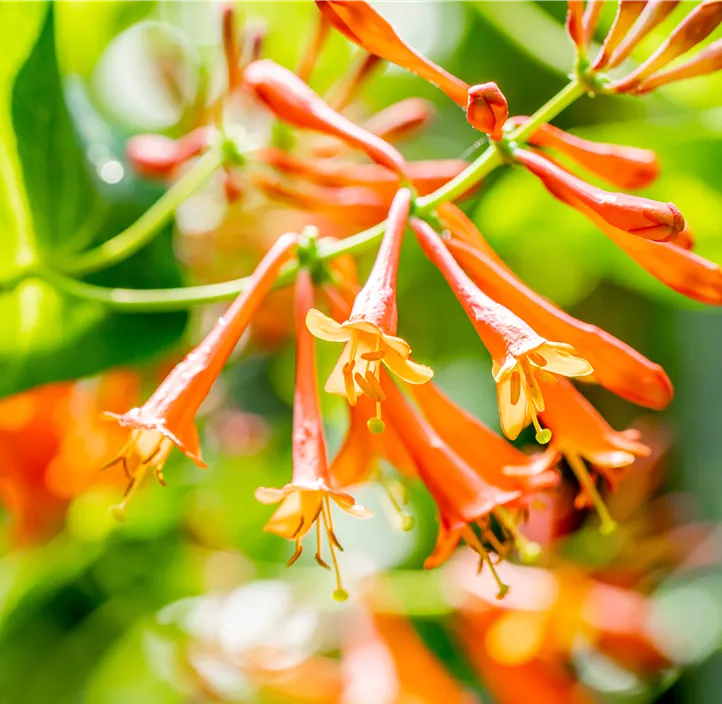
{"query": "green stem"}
pixel 147 226
pixel 158 300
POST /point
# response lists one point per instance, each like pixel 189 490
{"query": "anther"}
pixel 515 387
pixel 367 388
pixel 538 359
pixel 374 356
pixel 296 555
pixel 528 550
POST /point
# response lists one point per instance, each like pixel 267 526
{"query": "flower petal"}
pixel 514 417
pixel 325 328
pixel 562 359
pixel 406 369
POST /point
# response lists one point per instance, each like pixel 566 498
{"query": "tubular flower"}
pixel 652 15
pixel 307 499
pixel 370 331
pixel 498 460
pixel 463 498
pixel 627 13
pixel 363 25
pixel 425 176
pixel 156 156
pixel 574 23
pixel 677 267
pixel 695 27
pixel 707 61
pixel 580 433
pixel 167 418
pixel 290 99
pixel 626 167
pixel 591 18
pixel 520 356
pixel 617 366
pixel 351 85
pixel 487 109
pixel 310 57
pixel 386 662
pixel 642 217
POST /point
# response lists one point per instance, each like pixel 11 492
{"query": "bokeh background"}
pixel 189 601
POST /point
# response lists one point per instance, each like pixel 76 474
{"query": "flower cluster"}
pixel 481 483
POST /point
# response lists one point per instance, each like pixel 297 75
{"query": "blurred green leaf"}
pixel 50 198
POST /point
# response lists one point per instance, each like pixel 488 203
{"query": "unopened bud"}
pixel 487 109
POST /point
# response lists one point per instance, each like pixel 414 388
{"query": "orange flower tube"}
pixel 642 217
pixel 363 25
pixel 653 15
pixel 167 418
pixel 520 356
pixel 709 60
pixel 307 499
pixel 574 22
pixel 370 332
pixel 591 18
pixel 580 433
pixel 626 167
pixel 695 27
pixel 291 100
pixel 462 496
pixel 627 13
pixel 680 269
pixel 617 366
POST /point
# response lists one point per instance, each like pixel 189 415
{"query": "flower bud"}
pixel 574 23
pixel 627 13
pixel 698 25
pixel 487 109
pixel 156 156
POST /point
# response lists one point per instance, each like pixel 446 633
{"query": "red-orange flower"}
pixel 643 217
pixel 156 156
pixel 695 27
pixel 651 16
pixel 520 356
pixel 290 99
pixel 591 18
pixel 364 26
pixel 167 418
pixel 707 61
pixel 626 167
pixel 307 499
pixel 386 662
pixel 617 366
pixel 581 433
pixel 370 331
pixel 463 497
pixel 677 267
pixel 487 109
pixel 574 23
pixel 627 13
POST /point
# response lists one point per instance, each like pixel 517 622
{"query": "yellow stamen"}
pixel 339 594
pixel 349 386
pixel 297 554
pixel 367 388
pixel 405 520
pixel 609 525
pixel 537 359
pixel 543 435
pixel 515 387
pixel 119 512
pixel 475 544
pixel 317 556
pixel 375 384
pixel 528 550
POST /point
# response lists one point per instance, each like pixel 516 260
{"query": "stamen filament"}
pixel 609 525
pixel 406 520
pixel 475 544
pixel 528 550
pixel 339 594
pixel 119 512
pixel 319 559
pixel 543 435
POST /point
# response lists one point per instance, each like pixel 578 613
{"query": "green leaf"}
pixel 51 203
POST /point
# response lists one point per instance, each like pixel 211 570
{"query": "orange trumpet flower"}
pixel 520 356
pixel 695 27
pixel 674 265
pixel 591 18
pixel 625 167
pixel 487 109
pixel 291 100
pixel 643 217
pixel 627 13
pixel 617 366
pixel 307 499
pixel 463 497
pixel 370 331
pixel 580 433
pixel 653 15
pixel 707 61
pixel 167 418
pixel 363 25
pixel 574 22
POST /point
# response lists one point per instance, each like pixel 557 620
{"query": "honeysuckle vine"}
pixel 482 486
pixel 63 274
